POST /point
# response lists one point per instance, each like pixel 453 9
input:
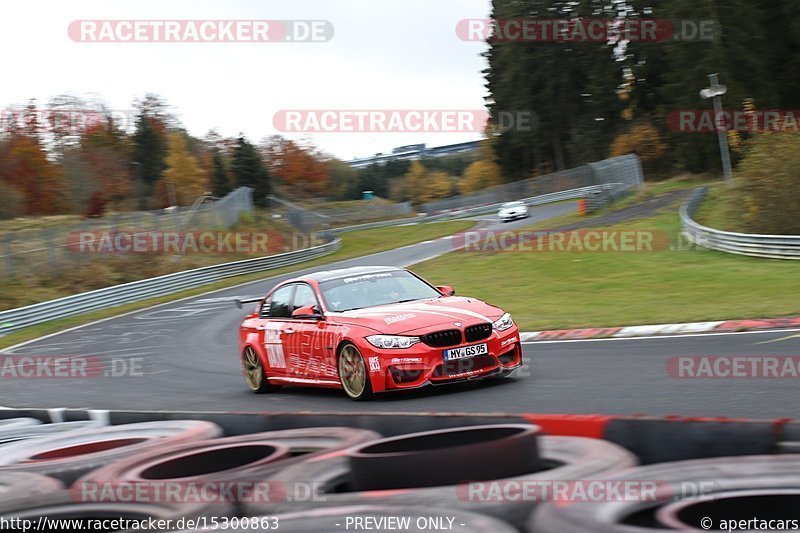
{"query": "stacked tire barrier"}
pixel 313 472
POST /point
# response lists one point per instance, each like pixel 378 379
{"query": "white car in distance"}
pixel 512 211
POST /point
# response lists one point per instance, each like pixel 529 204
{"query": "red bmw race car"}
pixel 373 329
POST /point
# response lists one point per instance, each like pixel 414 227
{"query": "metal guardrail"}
pixel 769 246
pixel 135 291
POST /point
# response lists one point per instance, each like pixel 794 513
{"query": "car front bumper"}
pixel 513 216
pixel 423 365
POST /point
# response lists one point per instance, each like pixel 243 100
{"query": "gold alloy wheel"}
pixel 352 372
pixel 253 372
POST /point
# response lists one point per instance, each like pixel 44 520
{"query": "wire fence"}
pixel 324 217
pixel 624 170
pixel 599 183
pixel 53 247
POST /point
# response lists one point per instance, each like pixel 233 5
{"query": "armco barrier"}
pixel 769 246
pixel 135 291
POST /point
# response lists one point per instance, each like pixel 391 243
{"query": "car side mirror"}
pixel 446 290
pixel 307 312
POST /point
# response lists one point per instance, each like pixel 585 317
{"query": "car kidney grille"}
pixel 478 332
pixel 440 339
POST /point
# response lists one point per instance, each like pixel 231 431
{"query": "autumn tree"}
pixel 415 180
pixel 439 185
pixel 183 172
pixel 301 170
pixel 768 184
pixel 480 175
pixel 106 150
pixel 485 172
pixel 644 140
pixel 425 186
pixel 24 167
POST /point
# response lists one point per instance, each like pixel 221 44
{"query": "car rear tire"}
pixel 353 374
pixel 254 374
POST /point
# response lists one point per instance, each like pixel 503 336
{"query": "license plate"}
pixel 465 352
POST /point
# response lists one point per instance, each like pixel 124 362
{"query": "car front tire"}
pixel 353 374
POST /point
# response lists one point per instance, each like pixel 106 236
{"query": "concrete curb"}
pixel 719 326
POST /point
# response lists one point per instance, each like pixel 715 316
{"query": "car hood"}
pixel 421 316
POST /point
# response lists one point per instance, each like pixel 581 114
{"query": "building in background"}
pixel 416 151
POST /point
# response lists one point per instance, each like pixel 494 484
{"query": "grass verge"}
pixel 720 209
pixel 678 283
pixel 354 244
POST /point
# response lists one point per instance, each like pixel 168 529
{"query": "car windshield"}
pixel 508 205
pixel 368 290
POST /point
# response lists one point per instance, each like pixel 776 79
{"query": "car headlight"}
pixel 392 341
pixel 503 323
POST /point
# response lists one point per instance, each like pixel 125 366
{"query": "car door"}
pixel 274 328
pixel 304 344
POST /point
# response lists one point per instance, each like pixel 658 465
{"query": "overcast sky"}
pixel 384 55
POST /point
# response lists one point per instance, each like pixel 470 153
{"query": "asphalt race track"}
pixel 185 354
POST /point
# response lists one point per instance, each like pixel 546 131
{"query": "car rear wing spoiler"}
pixel 240 303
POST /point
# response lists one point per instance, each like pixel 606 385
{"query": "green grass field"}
pixel 720 210
pixel 552 290
pixel 354 244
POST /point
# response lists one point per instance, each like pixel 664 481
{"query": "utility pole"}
pixel 714 93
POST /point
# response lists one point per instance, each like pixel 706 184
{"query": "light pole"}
pixel 715 92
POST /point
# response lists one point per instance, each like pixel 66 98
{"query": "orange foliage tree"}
pixel 107 155
pixel 644 140
pixel 24 167
pixel 302 171
pixel 183 172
